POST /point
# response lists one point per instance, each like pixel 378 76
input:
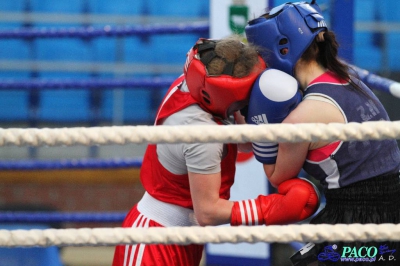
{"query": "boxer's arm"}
pixel 291 156
pixel 295 201
pixel 208 207
pixel 290 160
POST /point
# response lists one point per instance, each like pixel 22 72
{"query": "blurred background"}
pixel 37 61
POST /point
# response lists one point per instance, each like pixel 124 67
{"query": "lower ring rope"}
pixel 199 235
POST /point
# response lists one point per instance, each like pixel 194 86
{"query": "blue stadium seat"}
pixel 197 8
pixel 364 10
pixel 14 49
pixel 15 5
pixel 139 50
pixel 393 44
pixel 105 49
pixel 14 105
pixel 389 10
pixel 367 44
pixel 137 105
pixel 162 49
pixel 367 57
pixel 366 54
pixel 14 74
pixel 119 7
pixel 64 105
pixel 73 49
pixel 175 51
pixel 390 13
pixel 51 6
pixel 107 108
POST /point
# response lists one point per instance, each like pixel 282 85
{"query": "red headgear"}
pixel 223 94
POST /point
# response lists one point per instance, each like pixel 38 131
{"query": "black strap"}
pixel 205 59
pixel 205 46
pixel 228 69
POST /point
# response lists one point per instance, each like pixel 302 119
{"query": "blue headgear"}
pixel 286 34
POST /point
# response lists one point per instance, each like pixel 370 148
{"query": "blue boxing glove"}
pixel 273 96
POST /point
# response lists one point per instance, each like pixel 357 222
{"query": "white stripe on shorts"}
pixel 142 246
pixel 127 246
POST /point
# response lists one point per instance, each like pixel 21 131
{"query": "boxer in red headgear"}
pixel 224 93
pixel 189 183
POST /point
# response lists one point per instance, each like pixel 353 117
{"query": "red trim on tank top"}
pixel 328 77
pixel 322 153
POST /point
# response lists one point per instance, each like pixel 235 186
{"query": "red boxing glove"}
pixel 296 200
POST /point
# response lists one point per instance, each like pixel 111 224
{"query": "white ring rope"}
pixel 199 235
pixel 189 134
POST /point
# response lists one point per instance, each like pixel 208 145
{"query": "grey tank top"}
pixel 202 158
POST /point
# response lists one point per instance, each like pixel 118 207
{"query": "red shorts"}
pixel 154 254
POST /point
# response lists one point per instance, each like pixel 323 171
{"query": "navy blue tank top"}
pixel 345 162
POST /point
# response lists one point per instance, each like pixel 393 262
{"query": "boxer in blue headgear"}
pixel 360 179
pixel 285 33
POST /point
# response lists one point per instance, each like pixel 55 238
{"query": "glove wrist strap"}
pixel 247 212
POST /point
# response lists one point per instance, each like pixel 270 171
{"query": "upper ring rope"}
pixel 377 82
pixel 192 134
pixel 199 235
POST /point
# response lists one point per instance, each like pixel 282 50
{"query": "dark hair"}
pixel 325 52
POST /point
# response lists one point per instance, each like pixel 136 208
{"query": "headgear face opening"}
pixel 223 94
pixel 286 33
